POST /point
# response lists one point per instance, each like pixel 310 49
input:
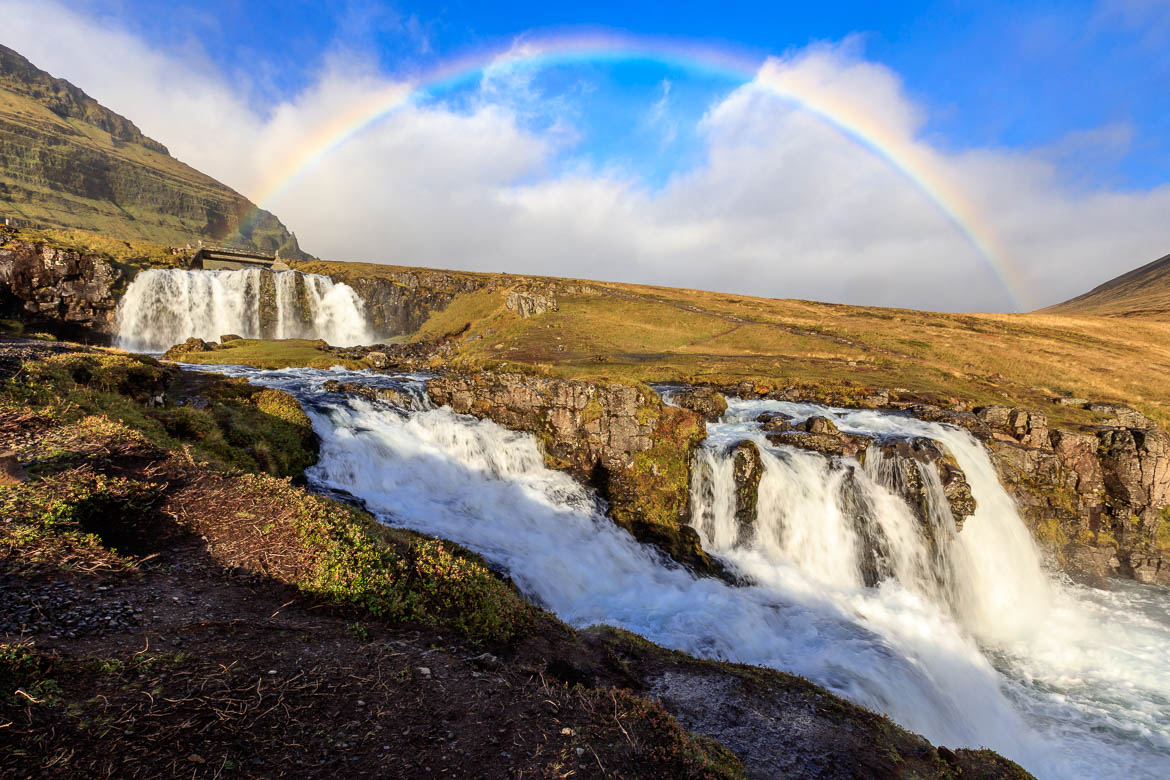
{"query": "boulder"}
pixel 747 469
pixel 377 360
pixel 842 445
pixel 704 401
pixel 229 337
pixel 817 424
pixel 774 422
pixel 191 345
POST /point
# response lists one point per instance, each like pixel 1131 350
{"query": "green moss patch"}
pixel 227 422
pixel 285 353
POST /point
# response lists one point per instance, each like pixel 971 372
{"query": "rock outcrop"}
pixel 398 302
pixel 621 439
pixel 191 345
pixel 905 466
pixel 706 402
pixel 529 304
pixel 59 290
pixel 1097 498
pixel 818 434
pixel 747 469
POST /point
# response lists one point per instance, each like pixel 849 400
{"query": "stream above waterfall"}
pixel 1067 680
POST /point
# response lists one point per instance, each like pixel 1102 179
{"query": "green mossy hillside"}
pixel 226 422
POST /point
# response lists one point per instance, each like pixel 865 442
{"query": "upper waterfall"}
pixel 163 307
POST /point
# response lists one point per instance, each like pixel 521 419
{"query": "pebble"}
pixel 63 609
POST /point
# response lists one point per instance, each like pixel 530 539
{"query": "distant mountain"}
pixel 66 161
pixel 1143 292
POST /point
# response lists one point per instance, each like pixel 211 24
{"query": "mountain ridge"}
pixel 68 162
pixel 1143 292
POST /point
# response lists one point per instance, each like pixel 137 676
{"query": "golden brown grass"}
pixel 636 333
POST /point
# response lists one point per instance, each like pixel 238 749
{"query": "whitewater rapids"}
pixel 1066 680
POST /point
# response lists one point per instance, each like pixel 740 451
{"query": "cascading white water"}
pixel 163 307
pixel 1070 682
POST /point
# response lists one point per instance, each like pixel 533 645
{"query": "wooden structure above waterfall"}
pixel 214 258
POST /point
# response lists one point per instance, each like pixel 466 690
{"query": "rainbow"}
pixel 919 167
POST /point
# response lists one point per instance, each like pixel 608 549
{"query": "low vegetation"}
pixel 222 421
pixel 271 354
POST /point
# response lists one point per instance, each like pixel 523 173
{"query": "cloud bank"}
pixel 783 203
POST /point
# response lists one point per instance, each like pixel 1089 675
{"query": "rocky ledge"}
pixel 621 439
pixel 59 290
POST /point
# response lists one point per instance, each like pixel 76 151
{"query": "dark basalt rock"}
pixel 61 291
pixel 747 470
pixel 906 458
pixel 389 395
pixel 704 401
pixel 774 422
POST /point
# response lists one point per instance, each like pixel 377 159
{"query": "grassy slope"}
pixel 629 332
pixel 1143 292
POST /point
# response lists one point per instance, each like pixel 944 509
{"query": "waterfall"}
pixel 163 307
pixel 813 511
pixel 1069 681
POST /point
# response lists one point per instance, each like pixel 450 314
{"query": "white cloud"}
pixel 784 204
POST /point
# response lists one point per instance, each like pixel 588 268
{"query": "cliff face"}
pixel 1098 498
pixel 399 300
pixel 66 161
pixel 401 304
pixel 60 290
pixel 620 438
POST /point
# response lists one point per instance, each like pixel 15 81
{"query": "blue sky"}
pixel 994 74
pixel 1016 154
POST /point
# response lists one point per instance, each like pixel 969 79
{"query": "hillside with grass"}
pixel 628 333
pixel 67 162
pixel 1142 293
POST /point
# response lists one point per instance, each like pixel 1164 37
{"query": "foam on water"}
pixel 1069 681
pixel 164 307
